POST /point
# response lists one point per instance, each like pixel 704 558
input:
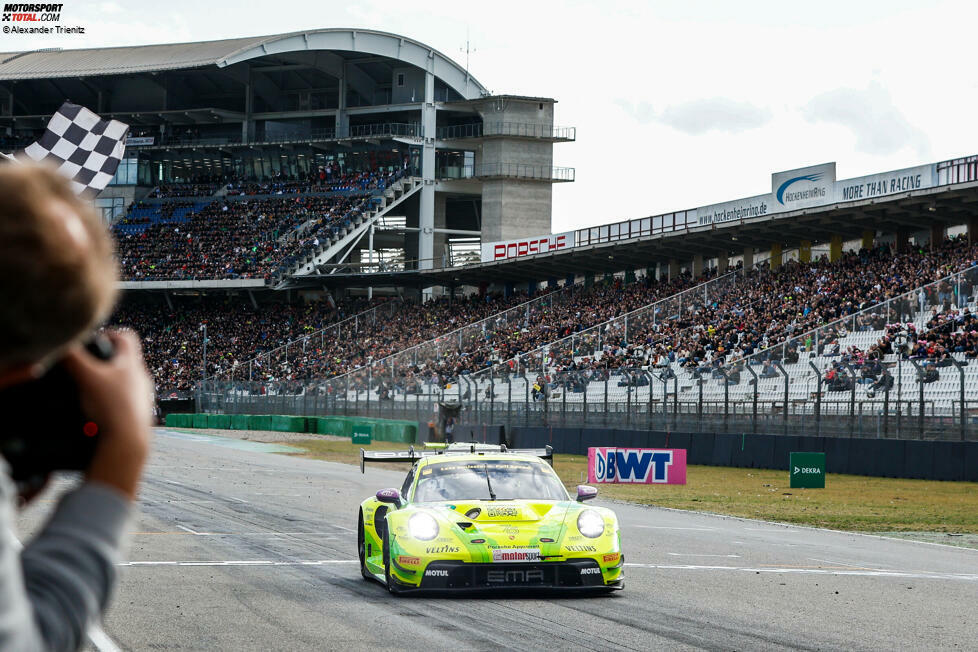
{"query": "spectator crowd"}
pixel 447 337
pixel 246 237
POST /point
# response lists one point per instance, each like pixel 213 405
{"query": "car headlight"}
pixel 590 523
pixel 422 526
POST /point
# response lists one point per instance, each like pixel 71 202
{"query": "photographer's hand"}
pixel 117 395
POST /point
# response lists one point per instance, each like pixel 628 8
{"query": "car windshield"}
pixel 488 480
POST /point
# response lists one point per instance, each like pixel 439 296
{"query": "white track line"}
pixel 321 535
pixel 187 529
pixel 843 563
pixel 242 562
pixel 815 571
pixel 691 554
pixel 670 527
pixel 743 569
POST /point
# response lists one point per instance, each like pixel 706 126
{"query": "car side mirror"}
pixel 585 492
pixel 392 496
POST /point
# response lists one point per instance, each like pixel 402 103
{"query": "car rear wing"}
pixel 411 455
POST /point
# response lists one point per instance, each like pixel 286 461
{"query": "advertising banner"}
pixel 804 187
pixel 636 465
pixel 138 141
pixel 887 183
pixel 740 209
pixel 807 470
pixel 507 249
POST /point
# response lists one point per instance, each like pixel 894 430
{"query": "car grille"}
pixel 459 575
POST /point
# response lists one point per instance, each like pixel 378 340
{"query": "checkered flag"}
pixel 83 147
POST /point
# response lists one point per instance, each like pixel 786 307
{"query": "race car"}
pixel 476 517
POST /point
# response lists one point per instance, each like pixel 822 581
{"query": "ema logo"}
pixel 637 465
pixel 804 194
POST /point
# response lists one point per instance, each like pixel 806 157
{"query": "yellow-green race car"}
pixel 476 517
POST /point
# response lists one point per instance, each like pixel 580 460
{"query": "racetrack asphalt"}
pixel 236 547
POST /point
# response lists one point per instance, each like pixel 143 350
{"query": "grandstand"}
pixel 358 225
pixel 329 113
pixel 640 368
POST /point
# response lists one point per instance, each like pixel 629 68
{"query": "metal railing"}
pixel 510 129
pixel 627 398
pixel 954 171
pixel 386 129
pixel 471 339
pixel 403 129
pixel 508 171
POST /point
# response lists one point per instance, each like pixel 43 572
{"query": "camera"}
pixel 44 427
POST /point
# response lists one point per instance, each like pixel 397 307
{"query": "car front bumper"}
pixel 575 574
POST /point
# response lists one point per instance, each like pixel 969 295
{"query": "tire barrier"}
pixel 405 432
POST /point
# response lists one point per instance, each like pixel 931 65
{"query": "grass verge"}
pixel 848 502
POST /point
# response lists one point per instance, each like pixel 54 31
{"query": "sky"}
pixel 677 104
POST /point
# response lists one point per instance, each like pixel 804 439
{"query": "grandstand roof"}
pixel 944 205
pixel 53 63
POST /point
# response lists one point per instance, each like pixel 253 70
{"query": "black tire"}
pixel 362 549
pixel 387 564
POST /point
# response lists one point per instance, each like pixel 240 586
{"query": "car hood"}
pixel 489 512
pixel 504 523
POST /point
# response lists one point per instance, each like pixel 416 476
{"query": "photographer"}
pixel 58 285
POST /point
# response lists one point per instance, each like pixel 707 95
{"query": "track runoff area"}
pixel 237 546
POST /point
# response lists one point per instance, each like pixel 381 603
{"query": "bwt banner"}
pixel 636 465
pixel 526 247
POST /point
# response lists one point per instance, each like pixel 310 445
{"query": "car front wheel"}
pixel 362 549
pixel 387 564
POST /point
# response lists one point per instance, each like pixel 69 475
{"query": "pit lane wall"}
pixel 891 458
pixel 381 429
